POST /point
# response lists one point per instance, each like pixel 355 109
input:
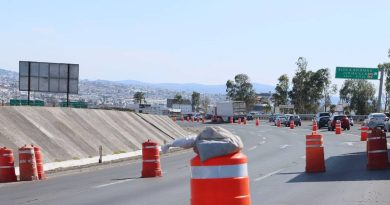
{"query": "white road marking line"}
pixel 113 183
pixel 284 146
pixel 348 143
pixel 267 175
pixel 261 142
pixel 252 148
pixel 264 138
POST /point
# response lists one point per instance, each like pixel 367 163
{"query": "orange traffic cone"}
pixel 314 127
pixel 292 125
pixel 363 133
pixel 377 150
pixel 231 120
pixel 257 122
pixel 315 160
pixel 244 121
pixel 338 127
pixel 220 180
pixel 150 160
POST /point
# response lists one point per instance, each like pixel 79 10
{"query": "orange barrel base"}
pixel 377 157
pixel 315 159
pixel 7 166
pixel 220 180
pixel 150 160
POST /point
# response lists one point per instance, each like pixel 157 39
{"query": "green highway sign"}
pixel 357 73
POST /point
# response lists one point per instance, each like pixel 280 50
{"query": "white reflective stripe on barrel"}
pixel 313 140
pixel 6 167
pixel 150 147
pixel 151 160
pixel 7 155
pixel 30 161
pixel 314 145
pixel 377 151
pixel 215 172
pixel 26 152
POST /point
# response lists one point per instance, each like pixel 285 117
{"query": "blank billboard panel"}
pixel 44 84
pixel 48 77
pixel 23 69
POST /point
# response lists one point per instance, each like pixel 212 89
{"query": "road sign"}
pixel 357 73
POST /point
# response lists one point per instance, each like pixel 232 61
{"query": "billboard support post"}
pixel 28 89
pixel 67 90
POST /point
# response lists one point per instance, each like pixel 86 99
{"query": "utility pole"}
pixel 381 69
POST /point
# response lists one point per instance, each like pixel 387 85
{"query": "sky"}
pixel 202 41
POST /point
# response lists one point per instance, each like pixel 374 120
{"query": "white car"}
pixel 377 119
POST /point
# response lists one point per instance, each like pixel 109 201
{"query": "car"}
pixel 350 120
pixel 323 122
pixel 319 115
pixel 249 116
pixel 296 118
pixel 377 118
pixel 281 118
pixel 342 118
pixel 272 118
pixel 197 116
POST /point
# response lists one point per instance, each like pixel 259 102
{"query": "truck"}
pixel 225 110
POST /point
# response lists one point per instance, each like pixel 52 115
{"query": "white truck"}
pixel 225 110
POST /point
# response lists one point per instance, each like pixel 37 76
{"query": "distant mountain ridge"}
pixel 201 88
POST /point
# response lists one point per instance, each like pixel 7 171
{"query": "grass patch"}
pixel 119 152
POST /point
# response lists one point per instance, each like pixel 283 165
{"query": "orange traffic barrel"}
pixel 220 180
pixel 377 157
pixel 197 120
pixel 278 123
pixel 239 121
pixel 150 160
pixel 231 120
pixel 7 165
pixel 182 118
pixel 292 125
pixel 39 161
pixel 257 122
pixel 314 126
pixel 315 160
pixel 27 164
pixel 363 133
pixel 244 120
pixel 338 127
pixel 188 119
pixel 174 119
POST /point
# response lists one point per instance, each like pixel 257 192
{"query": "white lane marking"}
pixel 267 175
pixel 284 146
pixel 261 142
pixel 264 138
pixel 113 183
pixel 252 148
pixel 348 143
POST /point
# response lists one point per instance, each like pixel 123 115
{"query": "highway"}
pixel 276 169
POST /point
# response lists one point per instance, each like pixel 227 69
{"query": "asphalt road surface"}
pixel 276 169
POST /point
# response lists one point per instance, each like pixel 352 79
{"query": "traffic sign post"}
pixel 357 73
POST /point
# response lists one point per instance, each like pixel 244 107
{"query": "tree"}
pixel 139 97
pixel 267 108
pixel 332 108
pixel 195 101
pixel 178 98
pixel 308 87
pixel 359 94
pixel 281 90
pixel 205 102
pixel 241 89
pixel 328 91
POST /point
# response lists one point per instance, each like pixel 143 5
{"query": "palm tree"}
pixel 139 97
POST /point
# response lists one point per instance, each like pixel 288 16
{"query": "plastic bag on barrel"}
pixel 211 142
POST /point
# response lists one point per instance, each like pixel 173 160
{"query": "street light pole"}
pixel 381 69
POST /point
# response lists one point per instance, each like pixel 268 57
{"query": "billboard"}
pixel 48 77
